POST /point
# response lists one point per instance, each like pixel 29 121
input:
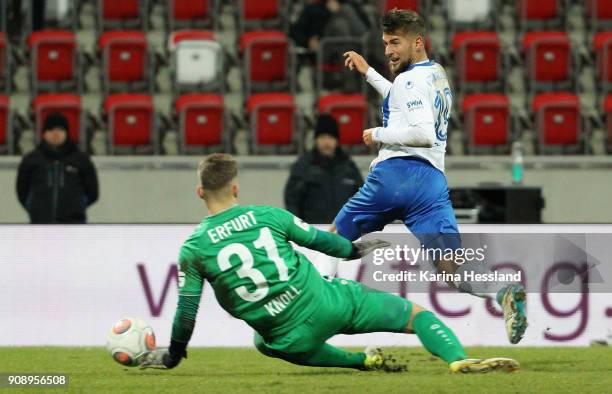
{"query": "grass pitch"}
pixel 216 370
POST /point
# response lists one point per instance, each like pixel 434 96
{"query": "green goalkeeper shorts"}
pixel 347 307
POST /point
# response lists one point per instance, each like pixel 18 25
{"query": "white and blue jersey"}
pixel 406 180
pixel 417 102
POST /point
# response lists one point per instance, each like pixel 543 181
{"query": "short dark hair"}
pixel 217 171
pixel 404 21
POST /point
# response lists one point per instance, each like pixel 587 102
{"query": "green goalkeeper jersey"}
pixel 257 275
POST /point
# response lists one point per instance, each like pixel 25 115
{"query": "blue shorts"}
pixel 409 189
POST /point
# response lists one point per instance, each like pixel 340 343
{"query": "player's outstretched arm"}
pixel 335 245
pixel 309 237
pixel 355 61
pixel 182 329
pixel 190 291
pixel 325 242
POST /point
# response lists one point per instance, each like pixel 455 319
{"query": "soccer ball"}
pixel 129 340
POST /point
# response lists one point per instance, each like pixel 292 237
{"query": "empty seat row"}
pixel 556 120
pixel 57 65
pixel 201 120
pixel 273 121
pixel 191 14
pixel 548 59
pixel 530 13
pixel 251 13
pixel 198 61
pixel 257 14
pixel 130 118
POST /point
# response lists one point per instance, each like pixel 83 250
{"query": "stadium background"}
pixel 146 157
pixel 81 69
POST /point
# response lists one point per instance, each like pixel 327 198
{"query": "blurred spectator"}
pixel 38 14
pixel 328 18
pixel 56 182
pixel 332 19
pixel 23 17
pixel 322 180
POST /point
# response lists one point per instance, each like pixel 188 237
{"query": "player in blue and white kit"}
pixel 406 180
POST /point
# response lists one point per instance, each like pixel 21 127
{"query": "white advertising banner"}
pixel 67 285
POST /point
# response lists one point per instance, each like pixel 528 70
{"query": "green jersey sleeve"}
pixel 191 282
pixel 305 235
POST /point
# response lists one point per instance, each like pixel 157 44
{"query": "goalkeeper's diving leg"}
pixel 372 311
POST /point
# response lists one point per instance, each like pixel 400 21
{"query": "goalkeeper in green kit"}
pixel 246 255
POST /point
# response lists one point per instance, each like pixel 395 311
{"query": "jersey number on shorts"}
pixel 246 270
pixel 442 104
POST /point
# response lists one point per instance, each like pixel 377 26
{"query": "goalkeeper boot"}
pixel 377 360
pixel 473 365
pixel 512 300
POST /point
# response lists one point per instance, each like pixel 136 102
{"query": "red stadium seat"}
pixel 188 10
pixel 197 61
pixel 124 9
pixel 124 57
pixel 608 115
pixel 260 9
pixel 130 121
pixel 602 46
pixel 5 76
pixel 272 120
pixel 189 13
pixel 600 12
pixel 265 55
pixel 5 125
pixel 265 58
pixel 547 56
pixel 200 120
pixel 477 56
pixel 258 14
pixel 487 120
pixel 68 104
pixel 350 111
pixel 428 45
pixel 557 119
pixel 54 58
pixel 537 9
pixel 608 104
pixel 190 35
pixel 388 5
pixel 540 14
pixel 120 13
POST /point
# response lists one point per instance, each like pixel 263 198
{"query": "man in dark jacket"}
pixel 322 180
pixel 56 182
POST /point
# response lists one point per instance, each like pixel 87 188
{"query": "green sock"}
pixel 438 339
pixel 327 356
